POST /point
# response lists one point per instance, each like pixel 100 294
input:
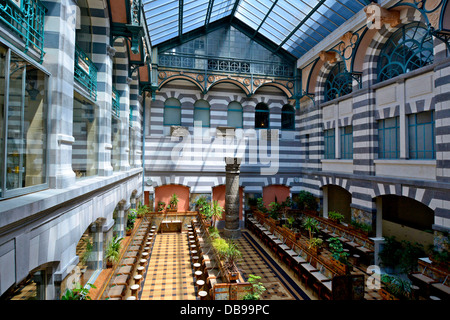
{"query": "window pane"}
pixel 85 147
pixel 234 119
pixel 172 112
pixel 202 115
pixel 2 110
pixel 201 112
pixel 288 117
pixel 27 125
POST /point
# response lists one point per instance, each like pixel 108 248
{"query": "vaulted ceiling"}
pixel 292 26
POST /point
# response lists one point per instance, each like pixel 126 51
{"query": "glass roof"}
pixel 293 25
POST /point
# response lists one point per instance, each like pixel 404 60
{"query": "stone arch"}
pixel 277 85
pixel 340 182
pixel 370 65
pixel 424 196
pixel 180 77
pixel 231 81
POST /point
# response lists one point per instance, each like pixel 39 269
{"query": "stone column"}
pixel 232 229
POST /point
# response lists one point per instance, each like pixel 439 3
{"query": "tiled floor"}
pixel 169 275
pixel 279 284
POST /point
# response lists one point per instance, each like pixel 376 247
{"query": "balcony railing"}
pixel 85 72
pixel 26 19
pixel 221 65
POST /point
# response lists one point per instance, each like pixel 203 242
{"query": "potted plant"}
pixel 360 227
pixel 339 256
pixel 274 210
pixel 78 293
pixel 141 211
pixel 161 206
pixel 335 216
pixel 173 203
pixel 131 218
pixel 216 212
pixel 394 288
pixel 228 254
pixel 112 252
pixel 310 224
pixel 257 288
pixel 260 205
pixel 316 245
pixel 306 202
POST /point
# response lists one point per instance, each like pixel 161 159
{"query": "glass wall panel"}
pixel 26 145
pixel 85 132
pixel 3 52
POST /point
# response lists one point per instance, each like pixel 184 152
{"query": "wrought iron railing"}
pixel 85 72
pixel 115 102
pixel 225 65
pixel 26 19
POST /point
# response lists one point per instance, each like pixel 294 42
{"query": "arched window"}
pixel 234 115
pixel 172 112
pixel 339 82
pixel 201 112
pixel 408 49
pixel 262 116
pixel 288 117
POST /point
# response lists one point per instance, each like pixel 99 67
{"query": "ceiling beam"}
pixel 208 13
pixel 265 17
pixel 301 23
pixel 180 17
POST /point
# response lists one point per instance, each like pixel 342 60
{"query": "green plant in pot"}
pixel 311 225
pixel 112 252
pixel 141 211
pixel 229 253
pixel 173 202
pixel 260 205
pixel 338 253
pixel 131 219
pixel 335 216
pixel 78 293
pixel 396 287
pixel 274 210
pixel 306 201
pixel 257 288
pixel 316 245
pixel 216 212
pixel 161 206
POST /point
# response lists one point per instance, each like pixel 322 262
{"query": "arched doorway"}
pixel 406 219
pixel 337 199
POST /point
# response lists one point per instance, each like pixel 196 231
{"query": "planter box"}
pixel 386 295
pixel 342 267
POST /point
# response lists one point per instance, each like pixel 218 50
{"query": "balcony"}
pixel 85 73
pixel 26 19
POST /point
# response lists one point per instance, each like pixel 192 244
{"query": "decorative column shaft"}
pixel 232 229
